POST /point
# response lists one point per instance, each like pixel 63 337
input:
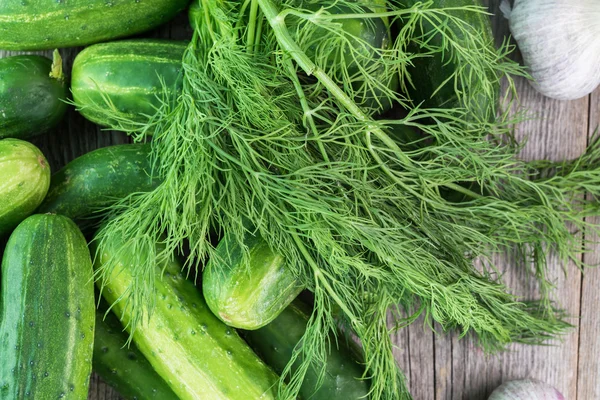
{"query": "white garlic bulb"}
pixel 560 43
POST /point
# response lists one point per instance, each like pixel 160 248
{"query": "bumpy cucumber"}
pixel 49 24
pixel 97 179
pixel 250 292
pixel 24 181
pixel 32 94
pixel 196 354
pixel 123 366
pixel 275 344
pixel 434 72
pixel 47 328
pixel 126 80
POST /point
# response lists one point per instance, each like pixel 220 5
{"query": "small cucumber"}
pixel 24 181
pixel 275 343
pixel 126 80
pixel 32 94
pixel 47 310
pixel 50 24
pixel 247 290
pixel 196 354
pixel 97 179
pixel 123 366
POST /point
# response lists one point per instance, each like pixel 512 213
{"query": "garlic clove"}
pixel 560 44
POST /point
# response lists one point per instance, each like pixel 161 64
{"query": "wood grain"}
pixel 440 366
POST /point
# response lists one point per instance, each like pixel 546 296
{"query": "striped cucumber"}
pixel 248 288
pixel 49 24
pixel 126 80
pixel 194 352
pixel 24 181
pixel 275 343
pixel 47 328
pixel 32 94
pixel 124 367
pixel 98 179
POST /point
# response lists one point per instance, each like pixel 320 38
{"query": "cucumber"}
pixel 124 367
pixel 47 328
pixel 126 80
pixel 49 24
pixel 98 179
pixel 275 344
pixel 250 292
pixel 32 94
pixel 196 354
pixel 433 73
pixel 24 181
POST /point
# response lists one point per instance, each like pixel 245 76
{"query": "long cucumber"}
pixel 47 311
pixel 122 365
pixel 196 354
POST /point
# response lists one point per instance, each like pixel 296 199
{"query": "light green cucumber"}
pixel 248 289
pixel 122 365
pixel 192 350
pixel 24 181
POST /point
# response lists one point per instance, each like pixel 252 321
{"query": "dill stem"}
pixel 252 27
pixel 319 275
pixel 307 111
pixel 277 22
pixel 463 190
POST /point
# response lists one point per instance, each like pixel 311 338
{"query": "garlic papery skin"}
pixel 526 389
pixel 560 44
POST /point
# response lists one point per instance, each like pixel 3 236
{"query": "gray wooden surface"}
pixel 437 366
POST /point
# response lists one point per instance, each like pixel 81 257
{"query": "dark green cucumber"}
pixel 49 24
pixel 24 181
pixel 124 367
pixel 126 80
pixel 97 179
pixel 47 328
pixel 431 75
pixel 196 354
pixel 32 94
pixel 275 344
pixel 250 292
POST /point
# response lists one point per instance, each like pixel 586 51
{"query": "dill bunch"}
pixel 264 133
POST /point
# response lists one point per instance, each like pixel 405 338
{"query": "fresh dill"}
pixel 272 126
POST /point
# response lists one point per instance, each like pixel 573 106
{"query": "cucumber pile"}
pixel 52 334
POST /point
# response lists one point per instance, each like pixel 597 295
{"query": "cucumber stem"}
pixel 56 71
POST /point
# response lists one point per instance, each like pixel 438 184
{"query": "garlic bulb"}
pixel 526 389
pixel 560 43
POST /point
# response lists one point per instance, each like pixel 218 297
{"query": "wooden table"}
pixel 439 366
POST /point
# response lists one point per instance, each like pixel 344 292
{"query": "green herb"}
pixel 262 132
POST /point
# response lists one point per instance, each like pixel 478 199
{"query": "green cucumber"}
pixel 24 181
pixel 49 24
pixel 196 354
pixel 247 292
pixel 32 94
pixel 98 179
pixel 47 328
pixel 124 367
pixel 126 80
pixel 431 75
pixel 275 343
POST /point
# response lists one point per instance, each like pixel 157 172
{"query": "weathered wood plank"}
pixel 588 382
